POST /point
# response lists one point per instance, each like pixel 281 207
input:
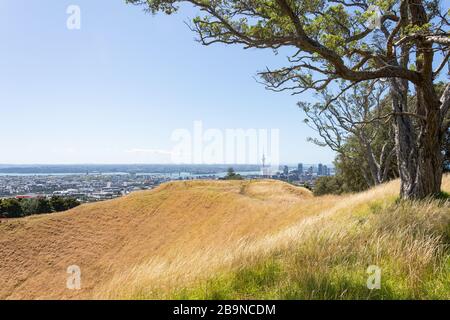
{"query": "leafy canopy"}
pixel 354 40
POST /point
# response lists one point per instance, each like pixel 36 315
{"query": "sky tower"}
pixel 263 169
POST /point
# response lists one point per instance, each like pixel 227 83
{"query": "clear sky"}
pixel 115 90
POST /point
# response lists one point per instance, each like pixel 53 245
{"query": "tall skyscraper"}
pixel 320 170
pixel 286 170
pixel 300 168
pixel 325 170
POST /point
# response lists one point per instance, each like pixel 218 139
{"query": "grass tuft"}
pixel 407 240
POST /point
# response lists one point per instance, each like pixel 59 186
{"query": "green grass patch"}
pixel 443 195
pixel 259 280
pixel 331 263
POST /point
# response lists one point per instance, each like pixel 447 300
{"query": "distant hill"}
pixel 165 242
pixel 121 168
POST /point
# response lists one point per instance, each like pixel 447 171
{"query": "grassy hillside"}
pixel 232 239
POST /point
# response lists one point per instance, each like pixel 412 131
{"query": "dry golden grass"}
pixel 150 244
pixel 173 222
pixel 326 256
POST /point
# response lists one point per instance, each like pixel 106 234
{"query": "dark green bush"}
pixel 15 208
pixel 328 185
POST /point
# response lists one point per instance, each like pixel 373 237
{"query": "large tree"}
pixel 407 43
pixel 358 127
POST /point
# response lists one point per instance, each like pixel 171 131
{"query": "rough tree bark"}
pixel 405 146
pixel 429 161
pixel 418 149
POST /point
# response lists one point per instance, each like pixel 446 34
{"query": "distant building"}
pixel 325 170
pixel 265 169
pixel 300 169
pixel 28 196
pixel 286 170
pixel 320 170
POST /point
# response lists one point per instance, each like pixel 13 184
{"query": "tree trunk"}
pixel 371 163
pixel 418 145
pixel 419 156
pixel 385 162
pixel 405 146
pixel 430 159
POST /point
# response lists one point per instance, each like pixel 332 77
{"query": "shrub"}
pixel 14 208
pixel 231 175
pixel 11 208
pixel 328 185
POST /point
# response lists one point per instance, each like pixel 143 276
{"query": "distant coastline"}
pixel 121 169
pixel 118 169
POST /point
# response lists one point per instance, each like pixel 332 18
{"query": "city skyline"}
pixel 157 168
pixel 97 183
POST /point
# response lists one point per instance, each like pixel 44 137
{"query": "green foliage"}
pixel 351 164
pixel 330 41
pixel 14 208
pixel 62 204
pixel 10 208
pixel 29 206
pixel 231 175
pixel 350 171
pixel 259 279
pixel 43 206
pixel 307 186
pixel 318 24
pixel 70 203
pixel 58 204
pixel 328 185
pixel 443 195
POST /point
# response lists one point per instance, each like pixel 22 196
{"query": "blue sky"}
pixel 124 82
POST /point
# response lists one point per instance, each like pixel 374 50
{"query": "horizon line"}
pixel 150 164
